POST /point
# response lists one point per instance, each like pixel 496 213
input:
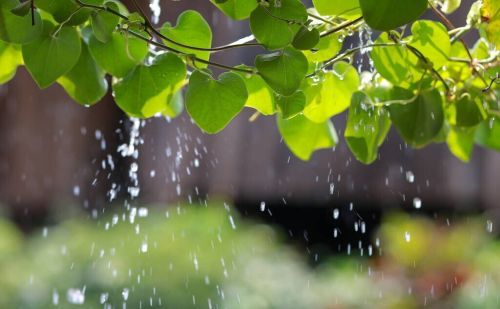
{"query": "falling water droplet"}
pixel 417 203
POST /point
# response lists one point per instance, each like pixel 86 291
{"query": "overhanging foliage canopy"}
pixel 425 80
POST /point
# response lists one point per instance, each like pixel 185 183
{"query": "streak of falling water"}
pixel 154 5
pixel 131 150
pixel 365 42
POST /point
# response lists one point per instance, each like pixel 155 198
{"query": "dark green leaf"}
pixel 85 83
pixel 283 71
pixel 214 103
pixel 417 119
pixel 119 55
pixel 67 11
pixel 104 23
pixel 52 55
pixel 275 25
pixel 385 15
pixel 22 9
pixel 18 29
pixel 291 106
pixel 467 111
pixel 148 89
pixel 306 38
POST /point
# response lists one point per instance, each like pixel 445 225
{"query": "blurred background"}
pixel 100 210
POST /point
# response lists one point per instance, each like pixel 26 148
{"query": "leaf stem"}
pixel 341 27
pixel 450 26
pixel 192 57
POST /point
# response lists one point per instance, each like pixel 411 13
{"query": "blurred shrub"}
pixel 207 258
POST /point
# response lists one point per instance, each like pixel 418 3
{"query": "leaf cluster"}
pixel 423 79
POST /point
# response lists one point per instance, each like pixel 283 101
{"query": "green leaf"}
pixel 191 30
pixel 119 55
pixel 236 9
pixel 392 62
pixel 67 11
pixel 214 103
pixel 366 129
pixel 22 9
pixel 467 111
pixel 175 106
pixel 291 106
pixel 276 24
pixel 327 47
pixel 418 120
pixel 306 38
pixel 488 132
pixel 386 15
pixel 17 29
pixel 432 40
pixel 147 89
pixel 104 23
pixel 332 95
pixel 10 59
pixel 52 55
pixel 460 141
pixel 303 136
pixel 343 8
pixel 85 83
pixel 283 71
pixel 260 96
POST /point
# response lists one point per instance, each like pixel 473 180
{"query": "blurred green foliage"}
pixel 207 257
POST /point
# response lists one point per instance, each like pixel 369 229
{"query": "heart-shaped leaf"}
pixel 104 22
pixel 214 103
pixel 385 15
pixel 119 55
pixel 52 54
pixel 67 11
pixel 306 38
pixel 191 30
pixel 18 29
pixel 291 106
pixel 283 71
pixel 147 89
pixel 236 9
pixel 85 83
pixel 432 40
pixel 417 119
pixel 303 136
pixel 276 24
